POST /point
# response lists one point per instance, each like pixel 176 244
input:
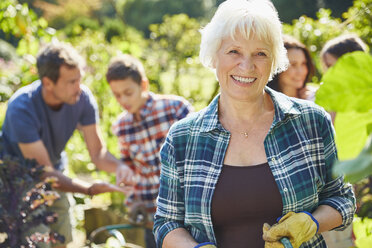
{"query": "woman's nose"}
pixel 300 70
pixel 246 64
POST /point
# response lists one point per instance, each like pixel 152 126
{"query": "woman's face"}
pixel 243 67
pixel 295 75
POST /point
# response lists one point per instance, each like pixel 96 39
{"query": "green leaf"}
pixel 351 133
pixel 358 168
pixel 369 128
pixel 347 86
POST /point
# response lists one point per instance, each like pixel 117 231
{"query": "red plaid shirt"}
pixel 140 142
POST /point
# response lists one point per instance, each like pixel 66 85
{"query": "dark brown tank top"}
pixel 244 199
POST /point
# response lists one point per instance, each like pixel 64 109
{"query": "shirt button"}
pixel 285 189
pixel 273 159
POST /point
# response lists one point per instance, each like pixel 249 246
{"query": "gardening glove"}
pixel 206 245
pixel 298 227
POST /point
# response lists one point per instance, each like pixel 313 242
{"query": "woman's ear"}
pixel 214 63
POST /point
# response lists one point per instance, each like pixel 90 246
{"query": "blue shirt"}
pixel 300 150
pixel 28 119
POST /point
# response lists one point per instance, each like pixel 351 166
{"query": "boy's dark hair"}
pixel 292 43
pixel 343 44
pixel 123 67
pixel 53 56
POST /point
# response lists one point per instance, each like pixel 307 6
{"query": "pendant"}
pixel 245 134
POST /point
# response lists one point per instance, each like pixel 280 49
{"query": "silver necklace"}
pixel 245 134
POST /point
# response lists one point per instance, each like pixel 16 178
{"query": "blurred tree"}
pixel 7 52
pixel 20 24
pixel 172 60
pixel 65 11
pixel 293 9
pixel 141 13
pixel 112 28
pixel 175 40
pixel 359 19
pixel 338 7
pixel 78 25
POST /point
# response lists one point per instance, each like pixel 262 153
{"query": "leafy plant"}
pixel 359 168
pixel 23 198
pixel 347 89
pixel 19 22
pixel 347 86
pixel 173 62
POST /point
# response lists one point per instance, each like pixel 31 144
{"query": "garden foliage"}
pixel 23 198
pixel 347 89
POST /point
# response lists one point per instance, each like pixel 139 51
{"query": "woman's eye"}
pixel 233 51
pixel 261 54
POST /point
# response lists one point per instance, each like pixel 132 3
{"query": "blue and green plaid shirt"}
pixel 300 151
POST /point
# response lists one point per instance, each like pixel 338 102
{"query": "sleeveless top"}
pixel 244 199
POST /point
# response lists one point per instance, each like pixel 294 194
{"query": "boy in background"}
pixel 40 119
pixel 142 129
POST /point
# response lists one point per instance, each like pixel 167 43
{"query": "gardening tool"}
pixel 285 241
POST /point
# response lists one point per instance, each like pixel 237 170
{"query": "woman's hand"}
pixel 307 93
pixel 298 227
pixel 101 187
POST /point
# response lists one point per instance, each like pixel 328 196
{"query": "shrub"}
pixel 23 198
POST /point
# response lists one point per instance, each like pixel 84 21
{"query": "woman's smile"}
pixel 244 80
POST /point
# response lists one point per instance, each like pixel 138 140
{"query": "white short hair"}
pixel 248 17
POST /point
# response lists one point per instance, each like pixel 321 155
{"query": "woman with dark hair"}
pixel 292 82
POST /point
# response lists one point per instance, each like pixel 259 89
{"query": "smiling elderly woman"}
pixel 253 155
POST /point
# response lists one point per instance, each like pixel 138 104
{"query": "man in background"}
pixel 41 118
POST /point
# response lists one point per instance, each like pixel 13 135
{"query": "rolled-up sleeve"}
pixel 336 192
pixel 170 202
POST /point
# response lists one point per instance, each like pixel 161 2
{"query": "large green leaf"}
pixel 358 168
pixel 347 86
pixel 351 133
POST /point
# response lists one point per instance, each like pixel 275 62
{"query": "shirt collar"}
pixel 209 118
pixel 147 108
pixel 283 106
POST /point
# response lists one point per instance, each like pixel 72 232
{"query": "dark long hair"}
pixel 292 43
